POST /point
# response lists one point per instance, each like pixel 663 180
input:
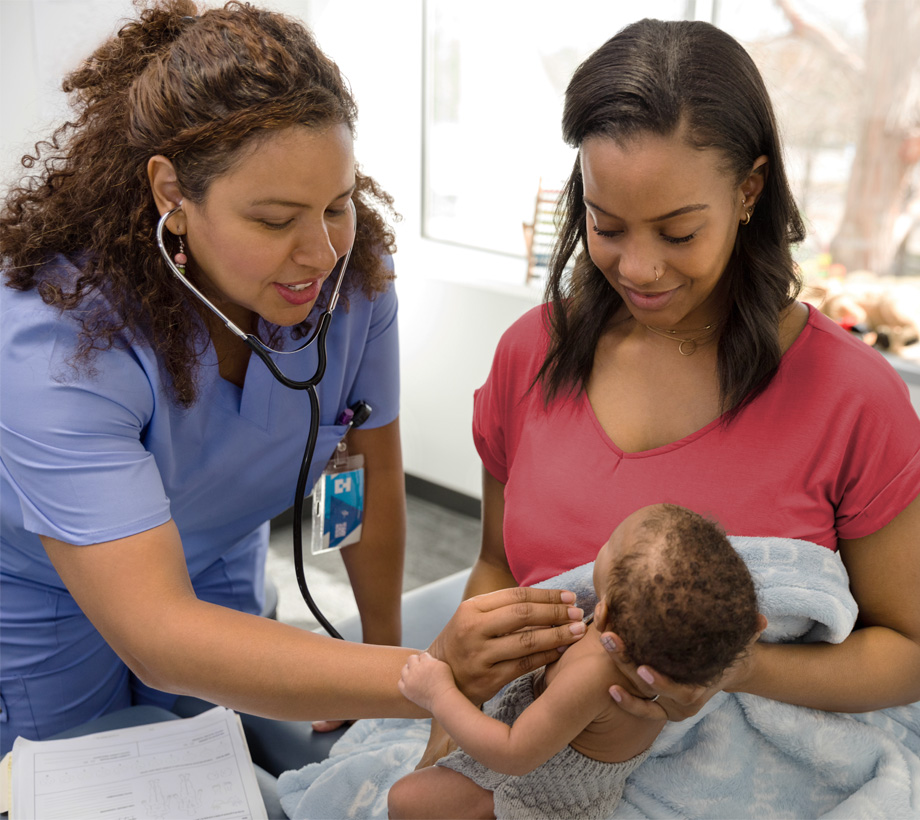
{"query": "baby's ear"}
pixel 600 616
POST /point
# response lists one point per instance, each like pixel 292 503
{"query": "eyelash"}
pixel 678 240
pixel 280 226
pixel 673 240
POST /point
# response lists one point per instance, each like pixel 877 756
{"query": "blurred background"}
pixel 460 104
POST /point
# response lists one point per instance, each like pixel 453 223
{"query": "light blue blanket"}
pixel 741 757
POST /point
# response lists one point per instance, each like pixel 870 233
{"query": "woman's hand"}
pixel 494 638
pixel 660 694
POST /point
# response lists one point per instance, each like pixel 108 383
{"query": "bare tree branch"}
pixel 825 38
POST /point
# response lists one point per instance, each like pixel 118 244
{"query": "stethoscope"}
pixel 264 353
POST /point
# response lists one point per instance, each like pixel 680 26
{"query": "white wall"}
pixel 452 312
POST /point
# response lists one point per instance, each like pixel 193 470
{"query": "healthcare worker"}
pixel 144 448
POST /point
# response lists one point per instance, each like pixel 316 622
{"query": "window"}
pixel 495 76
pixel 496 72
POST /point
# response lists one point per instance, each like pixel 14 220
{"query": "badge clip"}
pixel 338 496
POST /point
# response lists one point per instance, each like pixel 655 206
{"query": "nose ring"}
pixel 657 274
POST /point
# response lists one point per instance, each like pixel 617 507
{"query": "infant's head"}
pixel 676 592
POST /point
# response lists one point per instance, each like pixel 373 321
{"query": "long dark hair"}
pixel 657 77
pixel 198 89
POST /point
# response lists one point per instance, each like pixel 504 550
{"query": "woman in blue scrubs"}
pixel 143 449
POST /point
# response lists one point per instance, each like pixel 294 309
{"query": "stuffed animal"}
pixel 885 312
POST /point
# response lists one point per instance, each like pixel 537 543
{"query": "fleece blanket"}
pixel 741 756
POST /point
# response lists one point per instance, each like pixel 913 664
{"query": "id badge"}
pixel 338 503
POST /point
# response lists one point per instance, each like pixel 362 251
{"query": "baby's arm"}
pixel 547 726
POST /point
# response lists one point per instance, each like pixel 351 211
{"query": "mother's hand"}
pixel 660 694
pixel 496 637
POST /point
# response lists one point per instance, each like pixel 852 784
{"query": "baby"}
pixel 670 584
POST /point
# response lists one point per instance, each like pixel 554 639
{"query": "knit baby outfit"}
pixel 569 785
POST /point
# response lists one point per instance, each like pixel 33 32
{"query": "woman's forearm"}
pixel 375 563
pixel 375 570
pixel 137 593
pixel 487 577
pixel 874 668
pixel 878 665
pixel 273 669
pixel 491 570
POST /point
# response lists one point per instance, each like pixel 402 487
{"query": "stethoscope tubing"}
pixel 299 493
pixel 309 385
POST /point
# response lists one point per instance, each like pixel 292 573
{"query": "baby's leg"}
pixel 437 792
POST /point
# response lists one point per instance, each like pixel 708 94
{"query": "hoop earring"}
pixel 180 258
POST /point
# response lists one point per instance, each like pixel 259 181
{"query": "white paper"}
pixel 198 769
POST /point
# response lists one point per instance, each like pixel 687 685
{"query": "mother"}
pixel 674 364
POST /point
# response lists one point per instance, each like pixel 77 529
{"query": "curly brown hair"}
pixel 688 607
pixel 197 86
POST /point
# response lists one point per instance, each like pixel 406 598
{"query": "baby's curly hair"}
pixel 201 87
pixel 687 607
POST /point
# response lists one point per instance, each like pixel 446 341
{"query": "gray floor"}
pixel 438 543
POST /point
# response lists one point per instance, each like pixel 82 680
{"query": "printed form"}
pixel 193 768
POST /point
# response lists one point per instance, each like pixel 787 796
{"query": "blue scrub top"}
pixel 92 456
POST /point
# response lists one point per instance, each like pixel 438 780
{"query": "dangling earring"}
pixel 180 258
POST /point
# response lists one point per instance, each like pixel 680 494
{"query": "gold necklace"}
pixel 691 344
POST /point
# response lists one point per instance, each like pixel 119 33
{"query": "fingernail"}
pixel 577 628
pixel 575 613
pixel 608 643
pixel 646 675
pixel 616 695
pixel 568 597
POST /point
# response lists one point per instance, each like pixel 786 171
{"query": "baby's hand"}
pixel 424 678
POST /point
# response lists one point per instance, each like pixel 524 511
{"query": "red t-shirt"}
pixel 831 449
